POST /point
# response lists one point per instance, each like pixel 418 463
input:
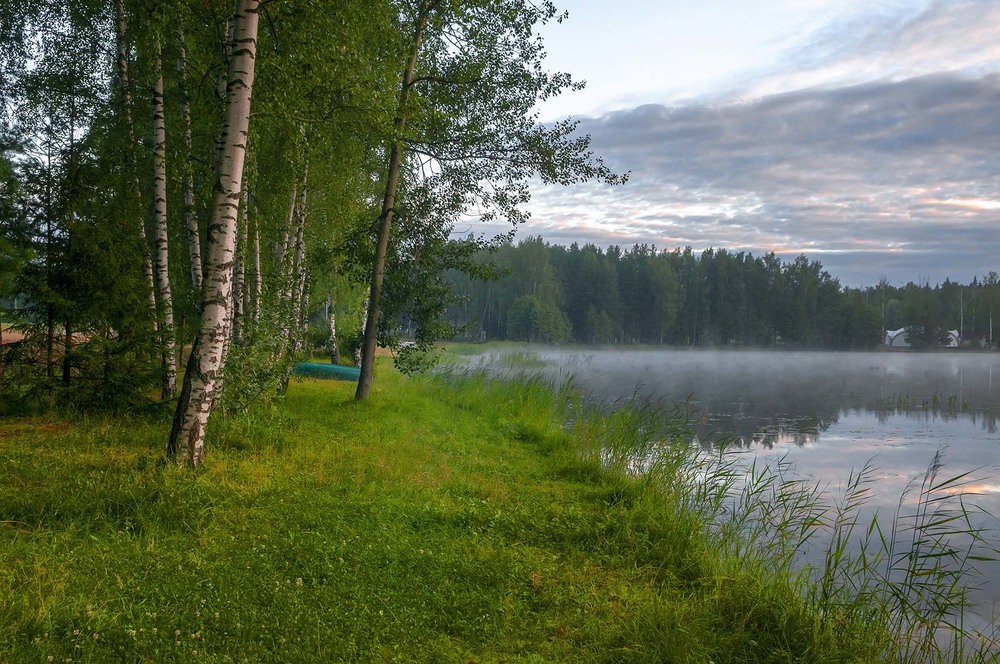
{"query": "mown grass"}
pixel 444 520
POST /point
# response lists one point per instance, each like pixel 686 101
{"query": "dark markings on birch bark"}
pixel 190 219
pixel 165 306
pixel 202 380
pixel 132 172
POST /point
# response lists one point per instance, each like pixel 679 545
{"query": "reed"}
pixel 910 578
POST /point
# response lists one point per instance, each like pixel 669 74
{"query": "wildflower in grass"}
pixel 298 582
pixel 177 632
pixel 76 632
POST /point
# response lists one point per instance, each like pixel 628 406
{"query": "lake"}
pixel 827 413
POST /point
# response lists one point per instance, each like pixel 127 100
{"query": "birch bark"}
pixel 239 273
pixel 332 344
pixel 206 364
pixel 165 300
pixel 126 92
pixel 190 220
pixel 298 274
pixel 282 248
pixel 364 326
pixel 258 285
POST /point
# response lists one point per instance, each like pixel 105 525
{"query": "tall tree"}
pixel 205 365
pixel 465 132
pixel 132 173
pixel 396 153
pixel 164 298
pixel 190 218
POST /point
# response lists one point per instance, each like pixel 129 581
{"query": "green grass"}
pixel 444 520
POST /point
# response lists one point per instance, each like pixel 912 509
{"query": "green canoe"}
pixel 329 371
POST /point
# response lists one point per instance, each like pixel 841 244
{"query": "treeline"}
pixel 555 294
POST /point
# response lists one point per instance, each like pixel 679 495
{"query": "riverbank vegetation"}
pixel 151 215
pixel 444 519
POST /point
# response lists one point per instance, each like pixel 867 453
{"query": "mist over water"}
pixel 827 413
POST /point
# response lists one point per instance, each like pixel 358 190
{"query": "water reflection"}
pixel 826 413
pixel 770 398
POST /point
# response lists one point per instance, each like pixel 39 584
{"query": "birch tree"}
pixel 76 158
pixel 190 219
pixel 332 348
pixel 165 303
pixel 206 363
pixel 465 135
pixel 132 173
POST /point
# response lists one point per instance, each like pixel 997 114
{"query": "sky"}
pixel 864 134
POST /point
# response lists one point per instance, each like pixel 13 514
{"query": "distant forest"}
pixel 554 294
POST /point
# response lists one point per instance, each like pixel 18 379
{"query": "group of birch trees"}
pixel 194 180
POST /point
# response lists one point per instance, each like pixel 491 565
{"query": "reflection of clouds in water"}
pixel 827 413
pixel 895 484
pixel 751 393
pixel 902 448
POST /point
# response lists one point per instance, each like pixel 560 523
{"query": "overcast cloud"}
pixel 875 149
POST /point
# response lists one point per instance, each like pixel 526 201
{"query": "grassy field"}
pixel 441 521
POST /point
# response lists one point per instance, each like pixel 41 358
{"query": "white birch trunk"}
pixel 332 344
pixel 303 323
pixel 162 273
pixel 246 261
pixel 239 274
pixel 291 330
pixel 126 91
pixel 292 275
pixel 205 367
pixel 190 220
pixel 258 285
pixel 221 86
pixel 364 325
pixel 282 247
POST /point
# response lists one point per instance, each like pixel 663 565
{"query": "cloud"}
pixel 894 178
pixel 888 41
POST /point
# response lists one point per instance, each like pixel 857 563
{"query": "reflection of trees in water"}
pixel 794 382
pixel 740 431
pixel 777 398
pixel 987 419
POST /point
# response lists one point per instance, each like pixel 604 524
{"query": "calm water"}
pixel 827 413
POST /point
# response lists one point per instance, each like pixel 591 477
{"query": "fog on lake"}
pixel 827 413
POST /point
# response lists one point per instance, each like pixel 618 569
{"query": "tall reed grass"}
pixel 907 575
